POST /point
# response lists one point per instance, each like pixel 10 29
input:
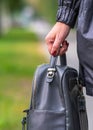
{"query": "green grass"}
pixel 18 61
pixel 19 35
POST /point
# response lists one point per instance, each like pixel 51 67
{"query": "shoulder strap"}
pixel 82 110
pixel 83 120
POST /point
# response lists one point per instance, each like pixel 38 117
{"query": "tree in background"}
pixel 7 10
pixel 46 8
pixel 14 5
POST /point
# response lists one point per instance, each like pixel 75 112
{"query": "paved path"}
pixel 42 28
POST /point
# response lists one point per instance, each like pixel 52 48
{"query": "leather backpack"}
pixel 57 101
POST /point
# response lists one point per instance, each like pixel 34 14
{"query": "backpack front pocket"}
pixel 45 120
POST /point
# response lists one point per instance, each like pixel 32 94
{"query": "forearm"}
pixel 68 11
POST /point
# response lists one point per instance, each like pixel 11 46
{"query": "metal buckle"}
pixel 51 72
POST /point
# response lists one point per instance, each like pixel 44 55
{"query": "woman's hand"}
pixel 56 38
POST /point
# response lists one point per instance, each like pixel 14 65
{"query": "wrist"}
pixel 62 24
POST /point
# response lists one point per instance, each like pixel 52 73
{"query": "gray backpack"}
pixel 57 101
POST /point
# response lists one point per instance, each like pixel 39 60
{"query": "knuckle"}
pixel 59 39
pixel 49 39
pixel 65 49
pixel 65 46
pixel 56 46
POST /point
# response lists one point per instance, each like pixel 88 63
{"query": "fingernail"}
pixel 54 53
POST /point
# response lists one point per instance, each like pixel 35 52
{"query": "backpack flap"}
pixel 46 85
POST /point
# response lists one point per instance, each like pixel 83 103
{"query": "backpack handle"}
pixel 62 60
pixel 52 69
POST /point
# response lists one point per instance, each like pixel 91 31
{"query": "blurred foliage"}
pixel 18 61
pixel 46 8
pixel 13 5
pixel 7 10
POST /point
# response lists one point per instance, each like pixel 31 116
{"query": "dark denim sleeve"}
pixel 68 11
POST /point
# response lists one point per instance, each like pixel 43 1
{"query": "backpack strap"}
pixel 83 121
pixel 54 59
pixel 82 109
pixel 52 66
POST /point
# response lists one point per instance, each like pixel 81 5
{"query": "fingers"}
pixel 59 49
pixel 49 41
pixel 56 37
pixel 56 45
pixel 64 48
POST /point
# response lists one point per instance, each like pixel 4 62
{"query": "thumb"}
pixel 56 46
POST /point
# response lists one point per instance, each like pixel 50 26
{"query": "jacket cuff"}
pixel 67 15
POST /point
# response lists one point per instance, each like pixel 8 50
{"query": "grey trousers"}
pixel 89 105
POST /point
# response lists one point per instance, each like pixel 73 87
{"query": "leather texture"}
pixel 54 103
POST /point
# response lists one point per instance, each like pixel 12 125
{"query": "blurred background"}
pixel 23 27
